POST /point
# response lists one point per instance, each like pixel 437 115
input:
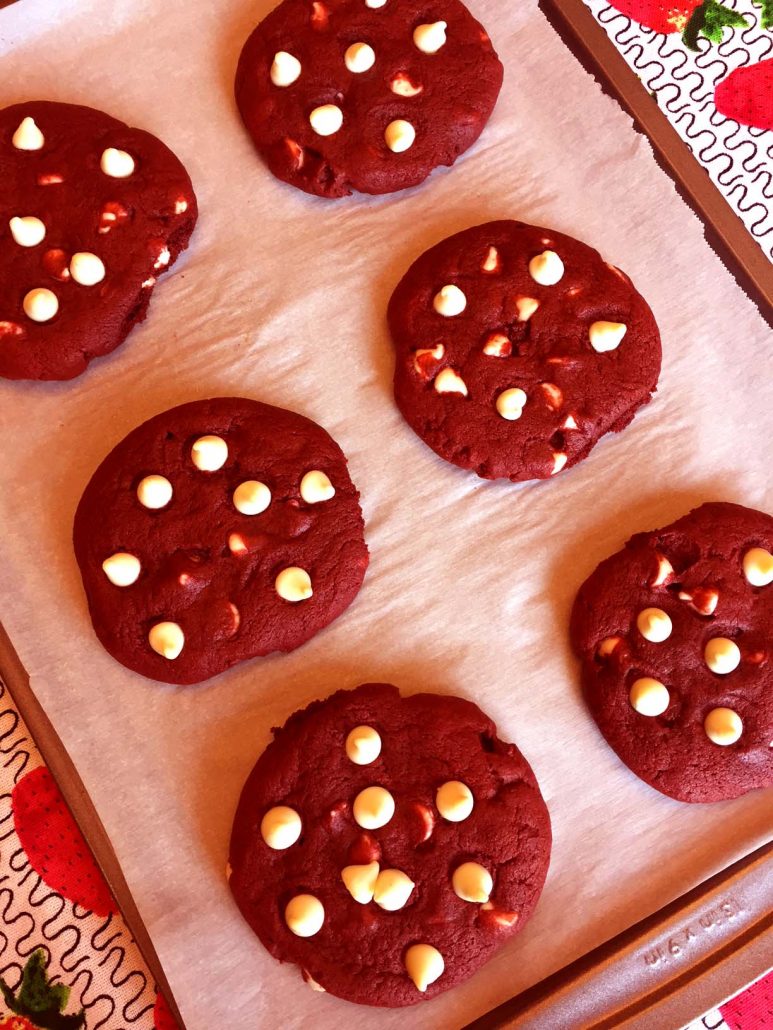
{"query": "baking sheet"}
pixel 282 297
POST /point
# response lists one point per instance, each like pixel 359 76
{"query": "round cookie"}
pixel 215 532
pixel 388 845
pixel 367 95
pixel 91 213
pixel 675 633
pixel 517 348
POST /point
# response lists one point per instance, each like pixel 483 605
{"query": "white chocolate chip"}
pixel 664 573
pixel 500 916
pixel 393 889
pixel 373 808
pixel 87 269
pixel 399 136
pixel 758 567
pixel 491 262
pixel 164 256
pixel 498 345
pixel 167 639
pixel 360 881
pixel 28 136
pixel 649 696
pixel 526 306
pixel 510 403
pixel 326 120
pixel 606 336
pixel 654 625
pixel 149 283
pixel 448 381
pixel 703 599
pixel 449 301
pixel 431 37
pixel 293 584
pixel 40 304
pixel 427 818
pixel 122 569
pixel 472 882
pixel 280 827
pixel 403 86
pixel 305 915
pixel 546 268
pixel 209 453
pixel 570 422
pixel 359 57
pixel 154 492
pixel 285 69
pixel 424 964
pixel 374 5
pixel 316 487
pixel 363 745
pixel 180 206
pixel 454 801
pixel 251 497
pixel 426 357
pixel 607 646
pixel 723 726
pixel 237 544
pixel 722 655
pixel 116 163
pixel 27 231
pixel 554 395
pixel 559 460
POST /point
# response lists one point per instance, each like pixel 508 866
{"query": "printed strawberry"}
pixel 162 1017
pixel 690 17
pixel 55 846
pixel 39 1004
pixel 746 95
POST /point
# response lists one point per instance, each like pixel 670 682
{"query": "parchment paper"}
pixel 282 297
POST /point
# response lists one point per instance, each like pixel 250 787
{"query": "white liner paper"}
pixel 282 297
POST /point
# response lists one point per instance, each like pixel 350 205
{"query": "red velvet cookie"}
pixel 517 348
pixel 367 95
pixel 215 532
pixel 675 633
pixel 91 213
pixel 388 846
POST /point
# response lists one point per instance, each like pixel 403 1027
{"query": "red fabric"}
pixel 753 1008
pixel 162 1017
pixel 55 846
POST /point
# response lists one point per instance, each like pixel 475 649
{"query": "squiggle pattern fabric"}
pixel 738 158
pixel 95 956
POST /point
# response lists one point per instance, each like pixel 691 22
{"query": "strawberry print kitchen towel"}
pixel 67 959
pixel 709 66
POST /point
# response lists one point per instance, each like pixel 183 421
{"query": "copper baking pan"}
pixel 724 230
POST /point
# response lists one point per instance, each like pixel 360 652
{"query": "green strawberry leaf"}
pixel 39 999
pixel 766 14
pixel 711 19
pixel 37 994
